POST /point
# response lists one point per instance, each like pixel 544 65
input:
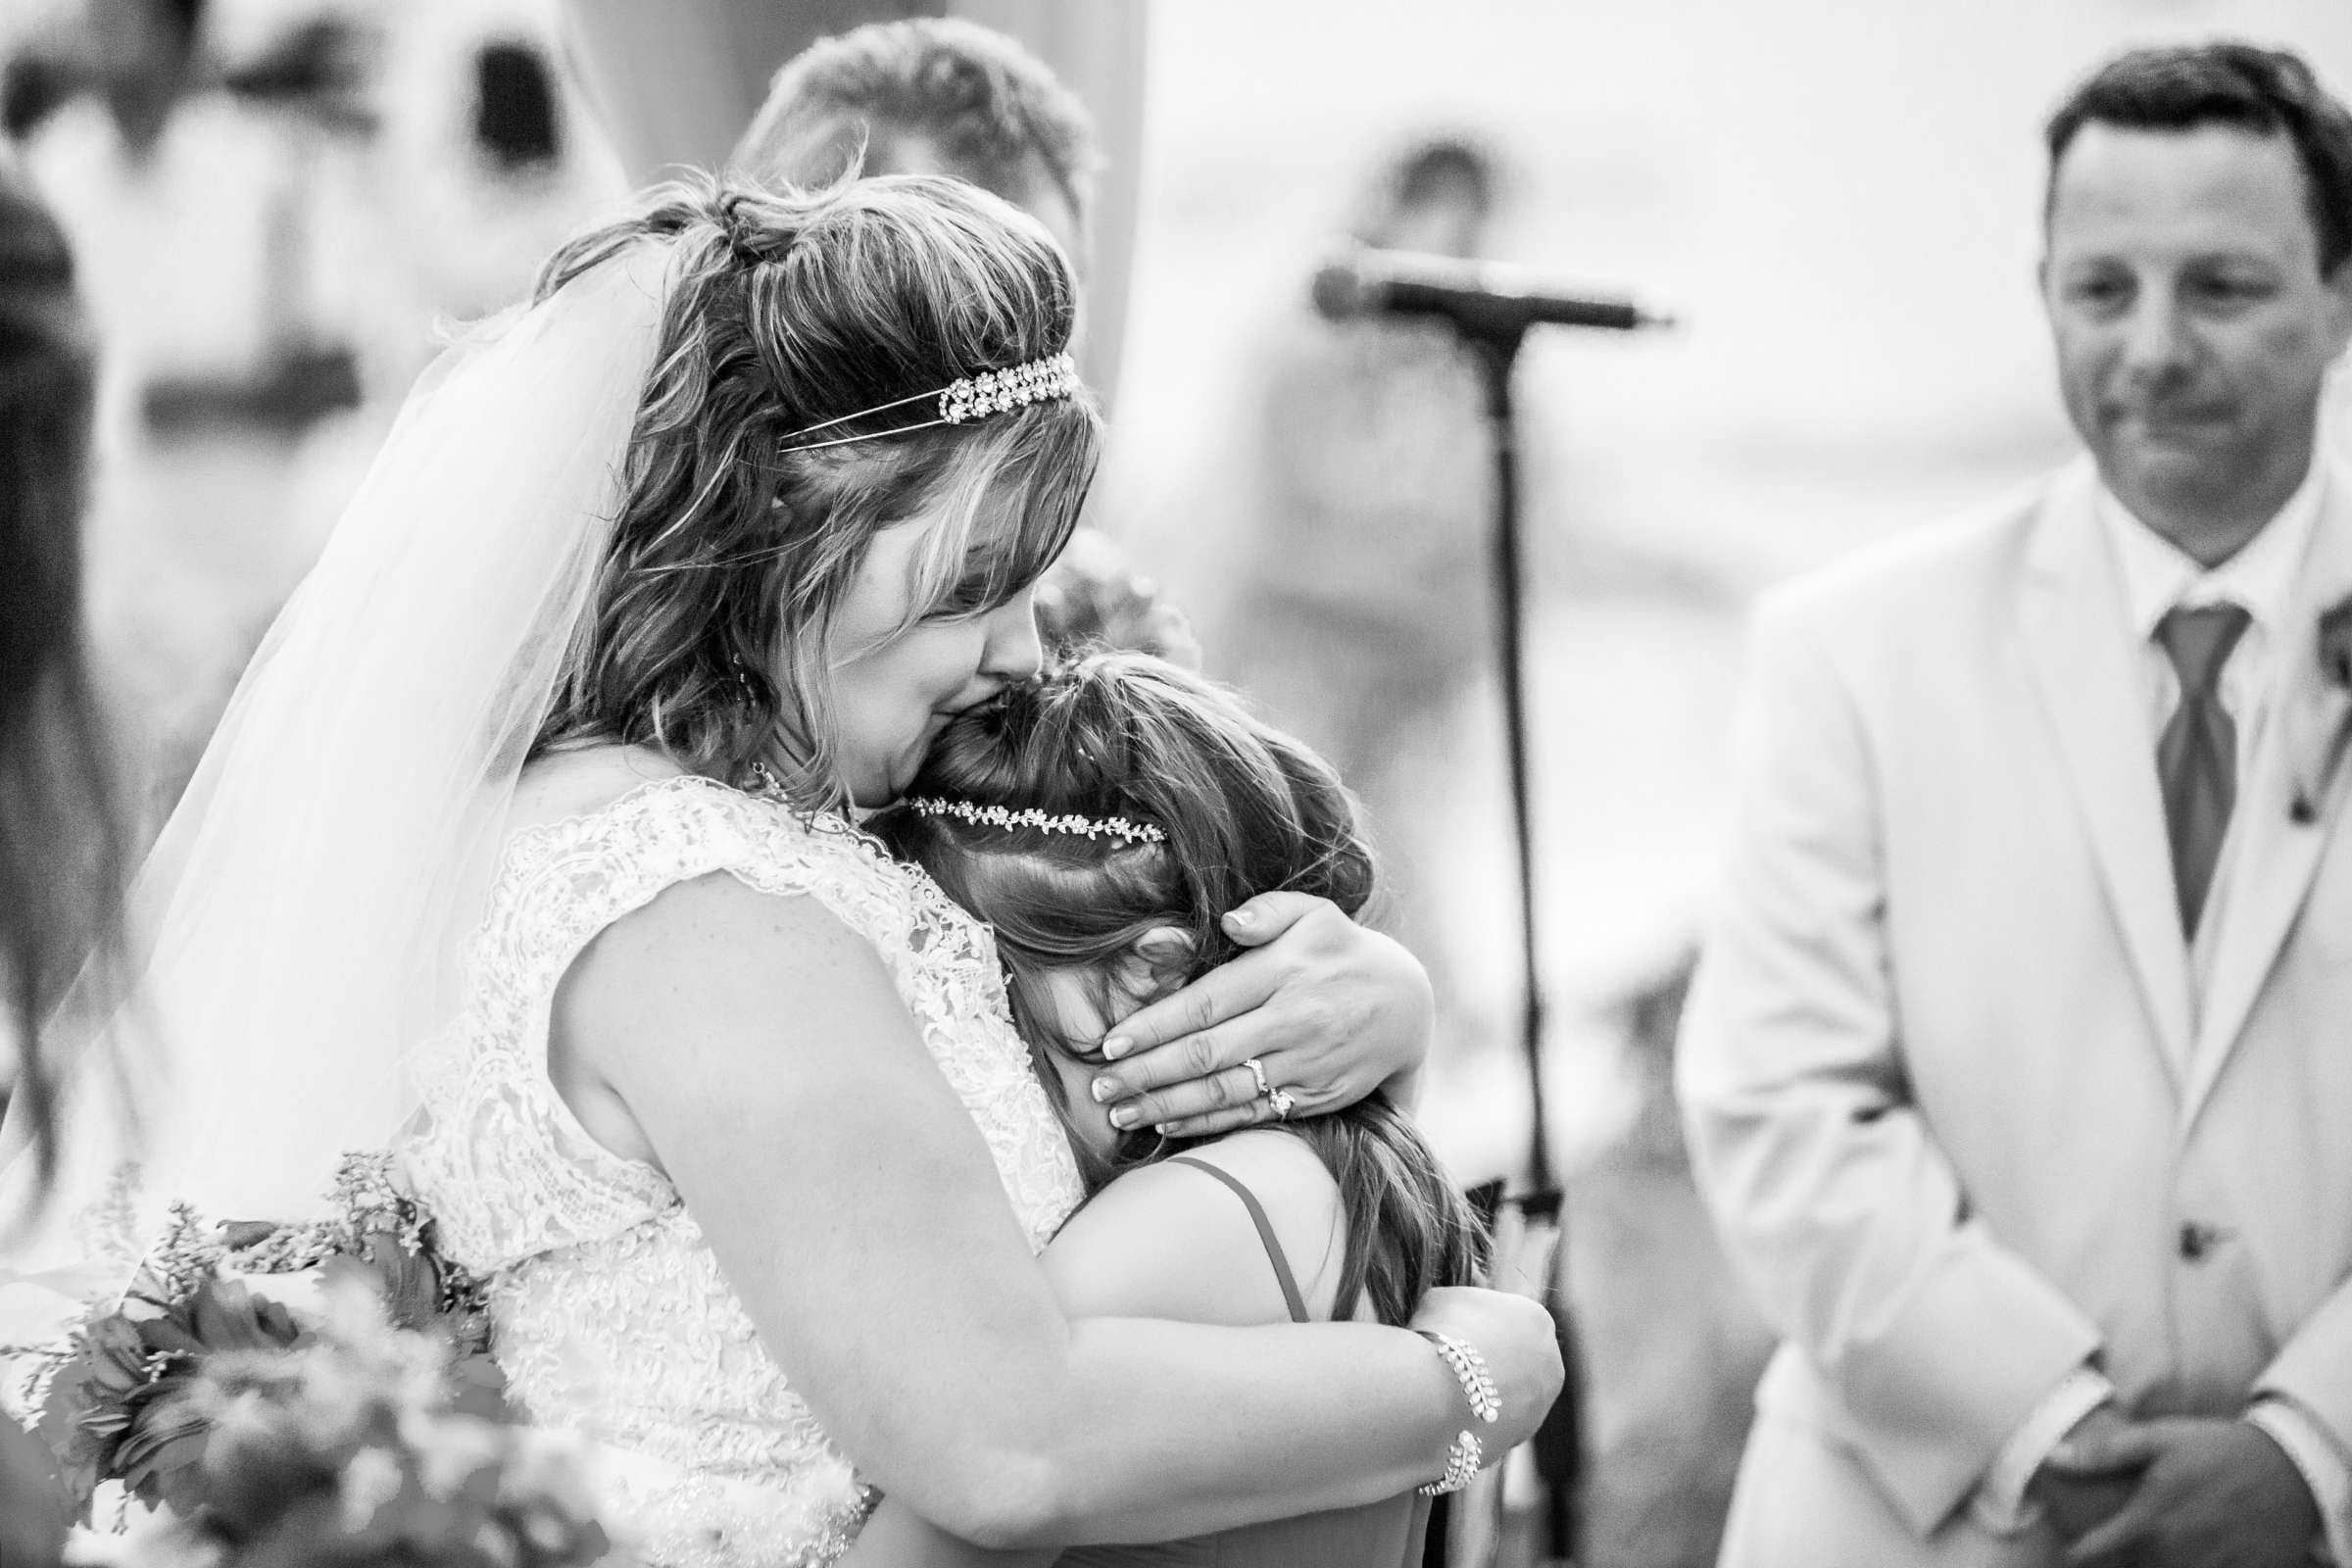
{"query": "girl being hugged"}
pixel 1100 820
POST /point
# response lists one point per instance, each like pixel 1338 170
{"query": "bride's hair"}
pixel 1244 809
pixel 786 311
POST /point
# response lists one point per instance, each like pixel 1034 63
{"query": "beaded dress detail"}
pixel 609 1314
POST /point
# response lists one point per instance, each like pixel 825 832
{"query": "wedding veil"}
pixel 297 926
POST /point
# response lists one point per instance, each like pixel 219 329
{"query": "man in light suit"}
pixel 2019 1068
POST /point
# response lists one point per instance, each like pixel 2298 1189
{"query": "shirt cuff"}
pixel 2000 1503
pixel 2320 1459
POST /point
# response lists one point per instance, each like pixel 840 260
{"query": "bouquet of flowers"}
pixel 309 1394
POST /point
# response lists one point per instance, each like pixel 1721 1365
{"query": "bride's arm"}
pixel 1331 1009
pixel 761 1051
pixel 897 1536
pixel 1161 1242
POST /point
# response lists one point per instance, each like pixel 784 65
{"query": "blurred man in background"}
pixel 940 96
pixel 276 208
pixel 934 96
pixel 2015 1067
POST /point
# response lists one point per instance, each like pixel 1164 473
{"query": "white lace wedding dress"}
pixel 610 1317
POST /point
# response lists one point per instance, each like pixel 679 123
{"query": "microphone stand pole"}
pixel 1497 360
pixel 1558 1445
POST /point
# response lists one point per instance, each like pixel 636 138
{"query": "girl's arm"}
pixel 757 1050
pixel 1166 1240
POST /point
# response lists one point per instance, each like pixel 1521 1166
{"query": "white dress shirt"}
pixel 2158 577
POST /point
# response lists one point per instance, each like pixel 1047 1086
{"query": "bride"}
pixel 531 828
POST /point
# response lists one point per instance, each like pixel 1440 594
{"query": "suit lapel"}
pixel 2275 855
pixel 2073 621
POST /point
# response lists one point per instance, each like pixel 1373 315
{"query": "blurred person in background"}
pixel 277 206
pixel 2014 1067
pixel 58 845
pixel 1364 614
pixel 937 95
pixel 931 96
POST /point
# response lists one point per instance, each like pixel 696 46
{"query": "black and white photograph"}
pixel 1175 784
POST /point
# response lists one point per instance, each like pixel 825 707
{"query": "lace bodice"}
pixel 610 1317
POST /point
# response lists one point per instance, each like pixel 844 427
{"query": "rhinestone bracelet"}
pixel 1462 1462
pixel 1470 1370
pixel 1466 1453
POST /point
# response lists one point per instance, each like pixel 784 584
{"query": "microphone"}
pixel 1481 300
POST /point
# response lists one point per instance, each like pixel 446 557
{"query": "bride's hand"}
pixel 1522 1349
pixel 1330 1010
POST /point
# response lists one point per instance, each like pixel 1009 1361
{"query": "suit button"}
pixel 2197 1240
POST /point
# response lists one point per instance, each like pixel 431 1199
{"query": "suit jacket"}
pixel 1949 1096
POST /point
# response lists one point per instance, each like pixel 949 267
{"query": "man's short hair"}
pixel 993 113
pixel 2266 92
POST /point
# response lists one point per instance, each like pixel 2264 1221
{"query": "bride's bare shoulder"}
pixel 582 782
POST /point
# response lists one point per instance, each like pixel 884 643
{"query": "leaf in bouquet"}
pixel 117 1358
pixel 177 1336
pixel 469 1307
pixel 180 1490
pixel 278 1321
pixel 168 1435
pixel 221 1318
pixel 73 1393
pixel 477 1387
pixel 156 1439
pixel 175 1458
pixel 410 1282
pixel 71 1398
pixel 240 1235
pixel 226 1316
pixel 174 1478
pixel 590 1544
pixel 464 1327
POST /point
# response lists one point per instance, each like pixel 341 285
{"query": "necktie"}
pixel 2197 756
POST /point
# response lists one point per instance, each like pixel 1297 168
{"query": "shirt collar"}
pixel 2262 577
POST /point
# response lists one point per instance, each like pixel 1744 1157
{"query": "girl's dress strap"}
pixel 1265 1234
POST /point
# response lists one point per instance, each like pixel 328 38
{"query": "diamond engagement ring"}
pixel 1257 1070
pixel 1281 1101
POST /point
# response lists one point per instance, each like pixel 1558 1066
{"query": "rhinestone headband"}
pixel 963 399
pixel 1005 816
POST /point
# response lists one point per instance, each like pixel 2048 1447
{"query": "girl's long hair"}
pixel 732 552
pixel 1246 810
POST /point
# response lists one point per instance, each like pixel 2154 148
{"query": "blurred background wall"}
pixel 1841 198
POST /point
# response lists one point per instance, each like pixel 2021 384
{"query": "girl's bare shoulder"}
pixel 1170 1240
